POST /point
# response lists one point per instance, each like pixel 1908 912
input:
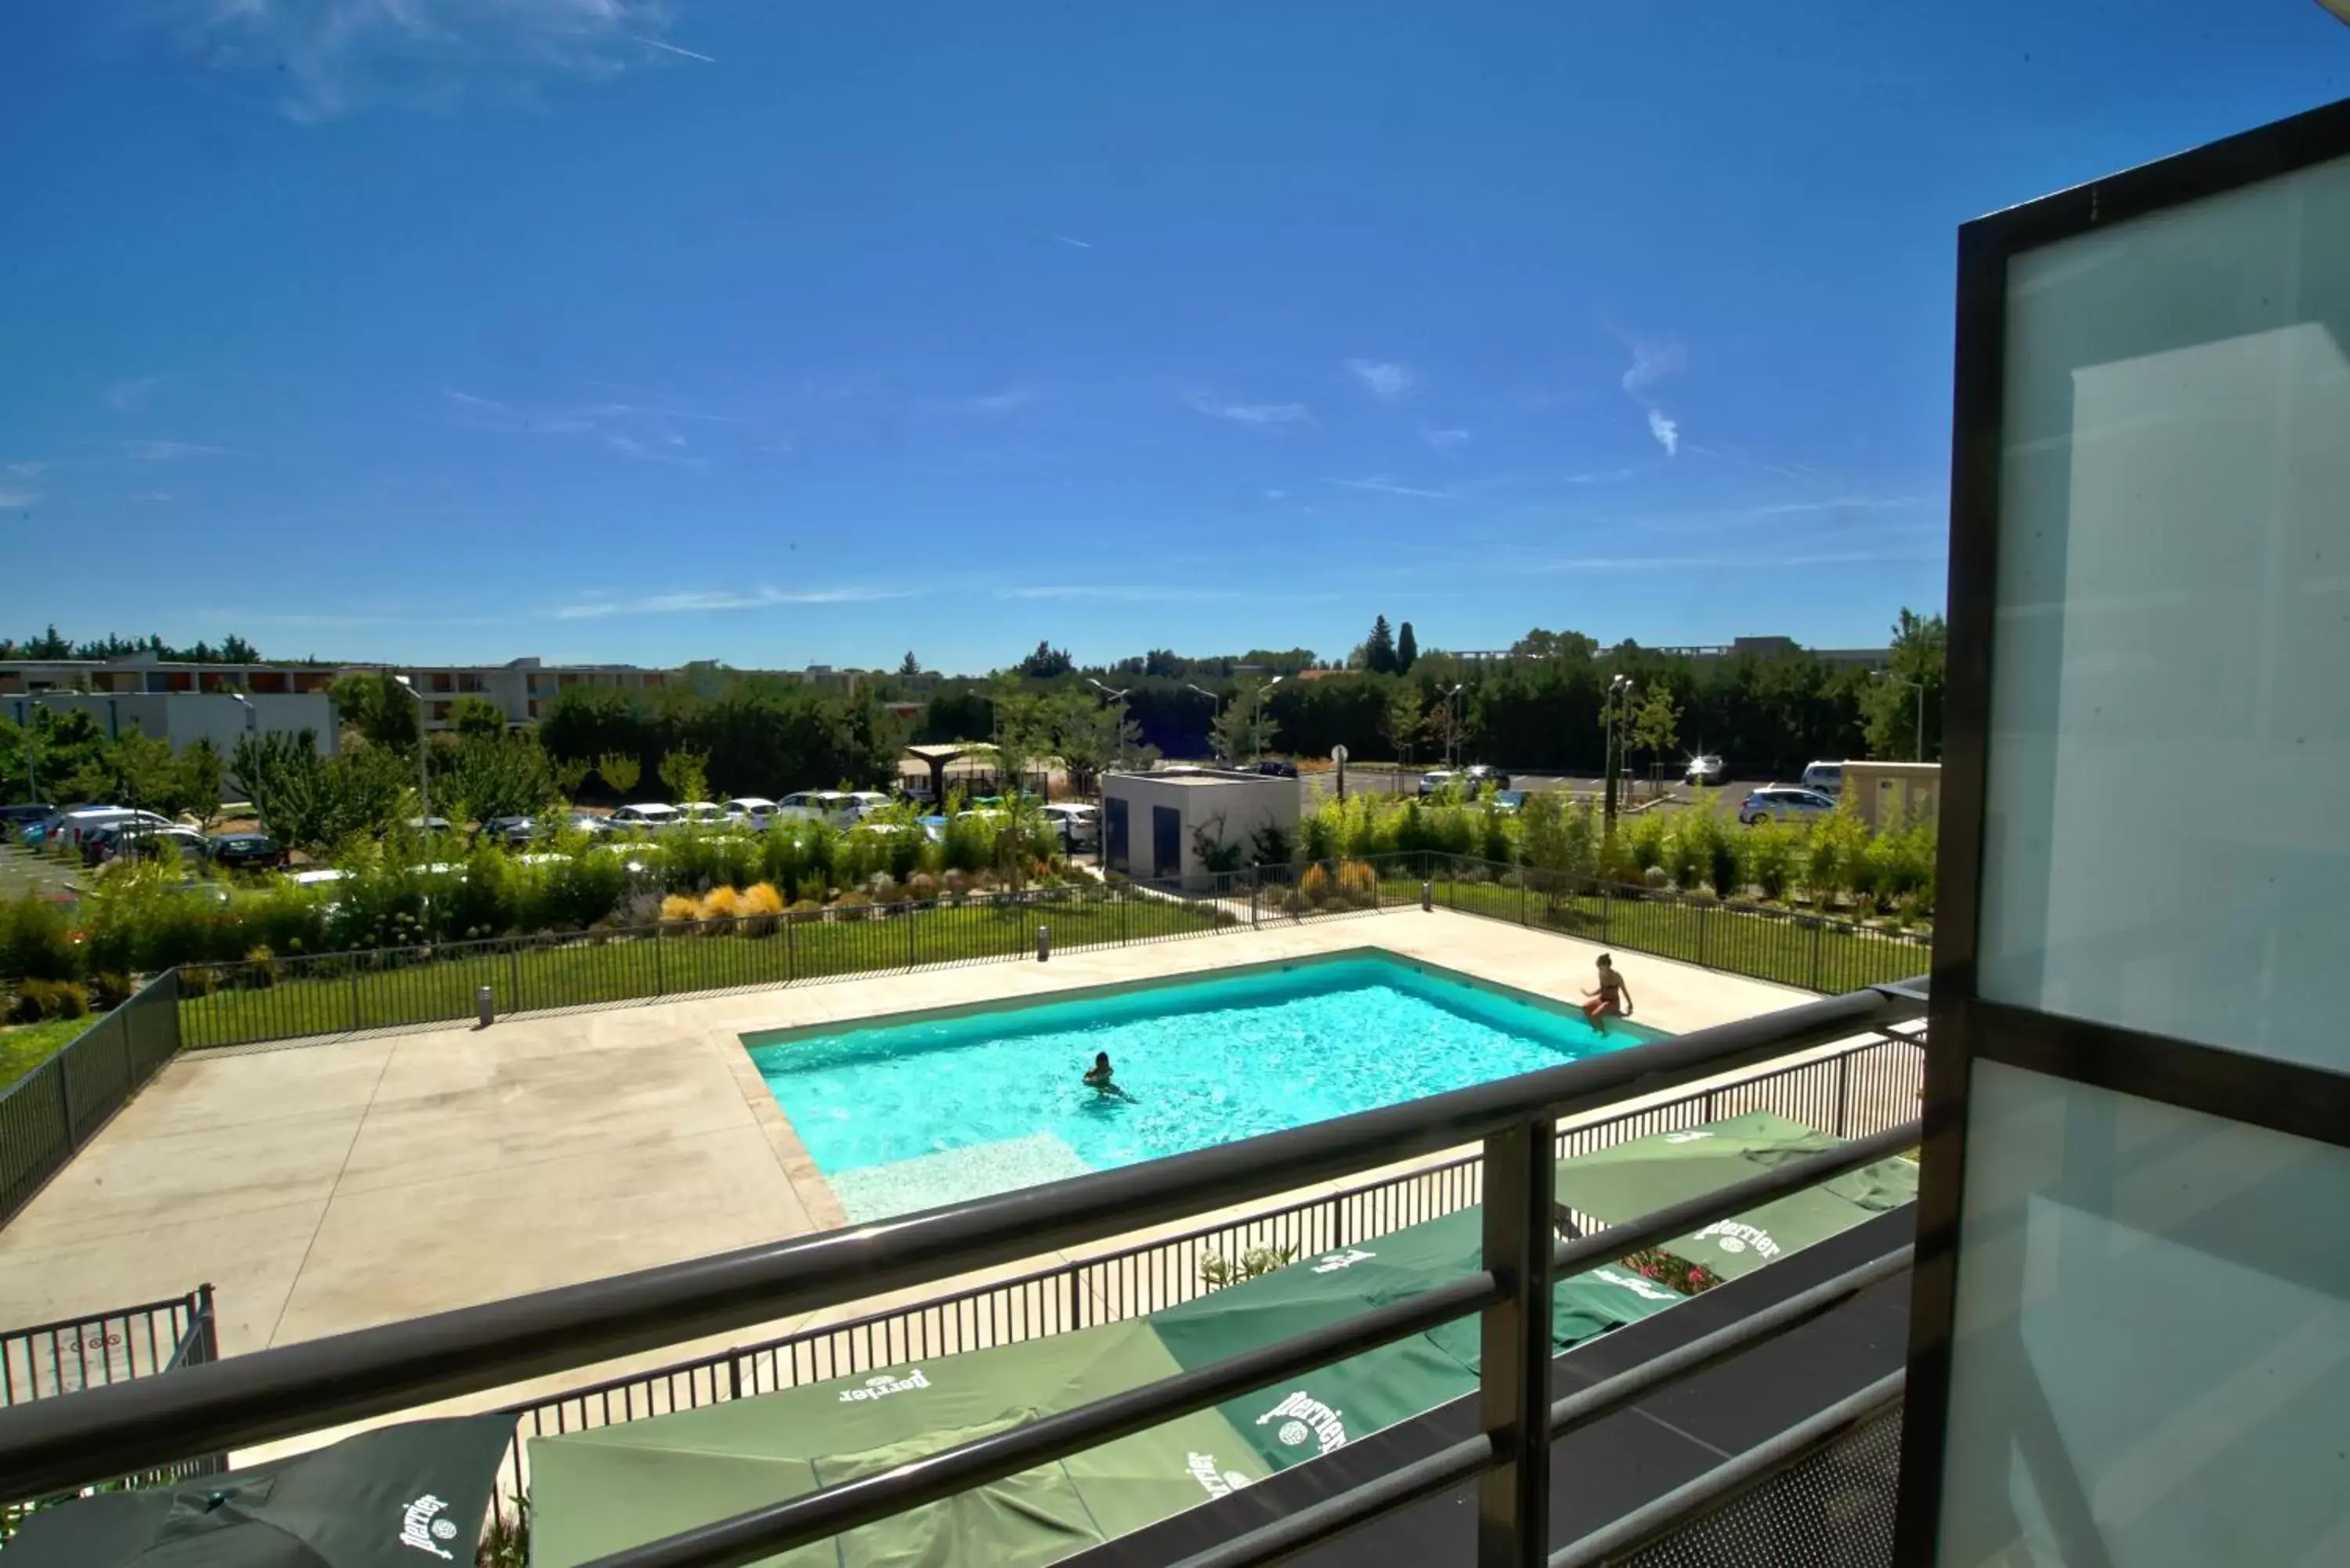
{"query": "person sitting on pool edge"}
pixel 1614 998
pixel 1098 1078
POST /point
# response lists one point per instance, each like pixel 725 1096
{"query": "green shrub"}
pixel 1768 853
pixel 1647 840
pixel 109 989
pixel 39 999
pixel 36 939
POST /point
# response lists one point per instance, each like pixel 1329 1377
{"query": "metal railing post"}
pixel 659 986
pixel 791 944
pixel 1702 925
pixel 913 913
pixel 514 977
pixel 1844 1075
pixel 1817 927
pixel 355 994
pixel 1514 1389
pixel 64 1094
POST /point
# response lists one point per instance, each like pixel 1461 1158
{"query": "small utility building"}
pixel 1153 824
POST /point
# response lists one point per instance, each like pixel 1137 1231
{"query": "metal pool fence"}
pixel 1852 1093
pixel 59 1105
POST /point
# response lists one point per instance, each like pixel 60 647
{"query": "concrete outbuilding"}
pixel 1154 824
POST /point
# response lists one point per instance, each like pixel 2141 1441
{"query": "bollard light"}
pixel 485 1004
pixel 1043 944
pixel 1427 897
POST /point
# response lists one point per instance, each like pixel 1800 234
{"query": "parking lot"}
pixel 1384 778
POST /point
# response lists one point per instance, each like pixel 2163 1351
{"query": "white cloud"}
pixel 1733 561
pixel 165 450
pixel 1445 441
pixel 10 500
pixel 1074 244
pixel 1385 487
pixel 126 396
pixel 1002 402
pixel 643 432
pixel 696 601
pixel 1263 415
pixel 1276 496
pixel 1384 380
pixel 27 469
pixel 324 57
pixel 1652 364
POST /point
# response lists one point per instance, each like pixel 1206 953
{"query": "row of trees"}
pixel 71 758
pixel 53 645
pixel 1543 708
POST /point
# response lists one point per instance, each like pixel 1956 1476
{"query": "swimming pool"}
pixel 910 1112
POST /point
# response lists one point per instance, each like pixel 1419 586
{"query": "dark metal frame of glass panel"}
pixel 2285 1096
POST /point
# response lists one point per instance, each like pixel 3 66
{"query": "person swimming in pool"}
pixel 1613 999
pixel 1100 1081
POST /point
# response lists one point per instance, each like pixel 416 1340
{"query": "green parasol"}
pixel 397 1497
pixel 596 1491
pixel 1626 1180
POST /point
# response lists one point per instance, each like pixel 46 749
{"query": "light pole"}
pixel 423 788
pixel 1619 692
pixel 1452 727
pixel 1918 754
pixel 1215 708
pixel 1101 829
pixel 1256 718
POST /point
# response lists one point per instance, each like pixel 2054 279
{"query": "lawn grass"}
pixel 1780 947
pixel 286 998
pixel 27 1045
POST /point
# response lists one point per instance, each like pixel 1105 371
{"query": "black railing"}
pixel 73 1353
pixel 1851 1092
pixel 52 1111
pixel 297 1388
pixel 1788 947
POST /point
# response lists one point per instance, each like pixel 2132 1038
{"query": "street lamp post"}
pixel 1619 692
pixel 1101 829
pixel 423 788
pixel 1215 708
pixel 1452 726
pixel 1256 718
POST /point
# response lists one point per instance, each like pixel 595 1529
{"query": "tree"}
pixel 477 718
pixel 377 708
pixel 1379 649
pixel 1407 650
pixel 1891 704
pixel 619 772
pixel 910 665
pixel 1090 736
pixel 686 775
pixel 1023 738
pixel 1046 662
pixel 200 770
pixel 1401 723
pixel 1245 727
pixel 318 803
pixel 500 775
pixel 1655 726
pixel 570 775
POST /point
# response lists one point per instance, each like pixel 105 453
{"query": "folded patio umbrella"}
pixel 1313 1414
pixel 396 1497
pixel 1626 1180
pixel 596 1492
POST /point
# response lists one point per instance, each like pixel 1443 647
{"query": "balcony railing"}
pixel 299 1388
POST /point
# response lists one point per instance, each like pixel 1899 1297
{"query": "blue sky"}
pixel 782 333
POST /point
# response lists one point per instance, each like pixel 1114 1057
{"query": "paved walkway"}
pixel 327 1187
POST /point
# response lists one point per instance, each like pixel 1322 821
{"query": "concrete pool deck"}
pixel 323 1187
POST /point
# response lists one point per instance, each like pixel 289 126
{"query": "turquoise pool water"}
pixel 930 1109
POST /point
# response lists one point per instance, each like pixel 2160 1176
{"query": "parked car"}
pixel 1826 777
pixel 1277 767
pixel 1078 824
pixel 513 832
pixel 701 814
pixel 14 819
pixel 647 816
pixel 142 840
pixel 864 802
pixel 586 822
pixel 427 825
pixel 1509 802
pixel 1705 769
pixel 79 822
pixel 753 811
pixel 246 852
pixel 1785 803
pixel 317 877
pixel 1438 781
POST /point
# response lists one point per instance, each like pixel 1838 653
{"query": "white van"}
pixel 1826 777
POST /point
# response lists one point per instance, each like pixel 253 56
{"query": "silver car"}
pixel 1785 803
